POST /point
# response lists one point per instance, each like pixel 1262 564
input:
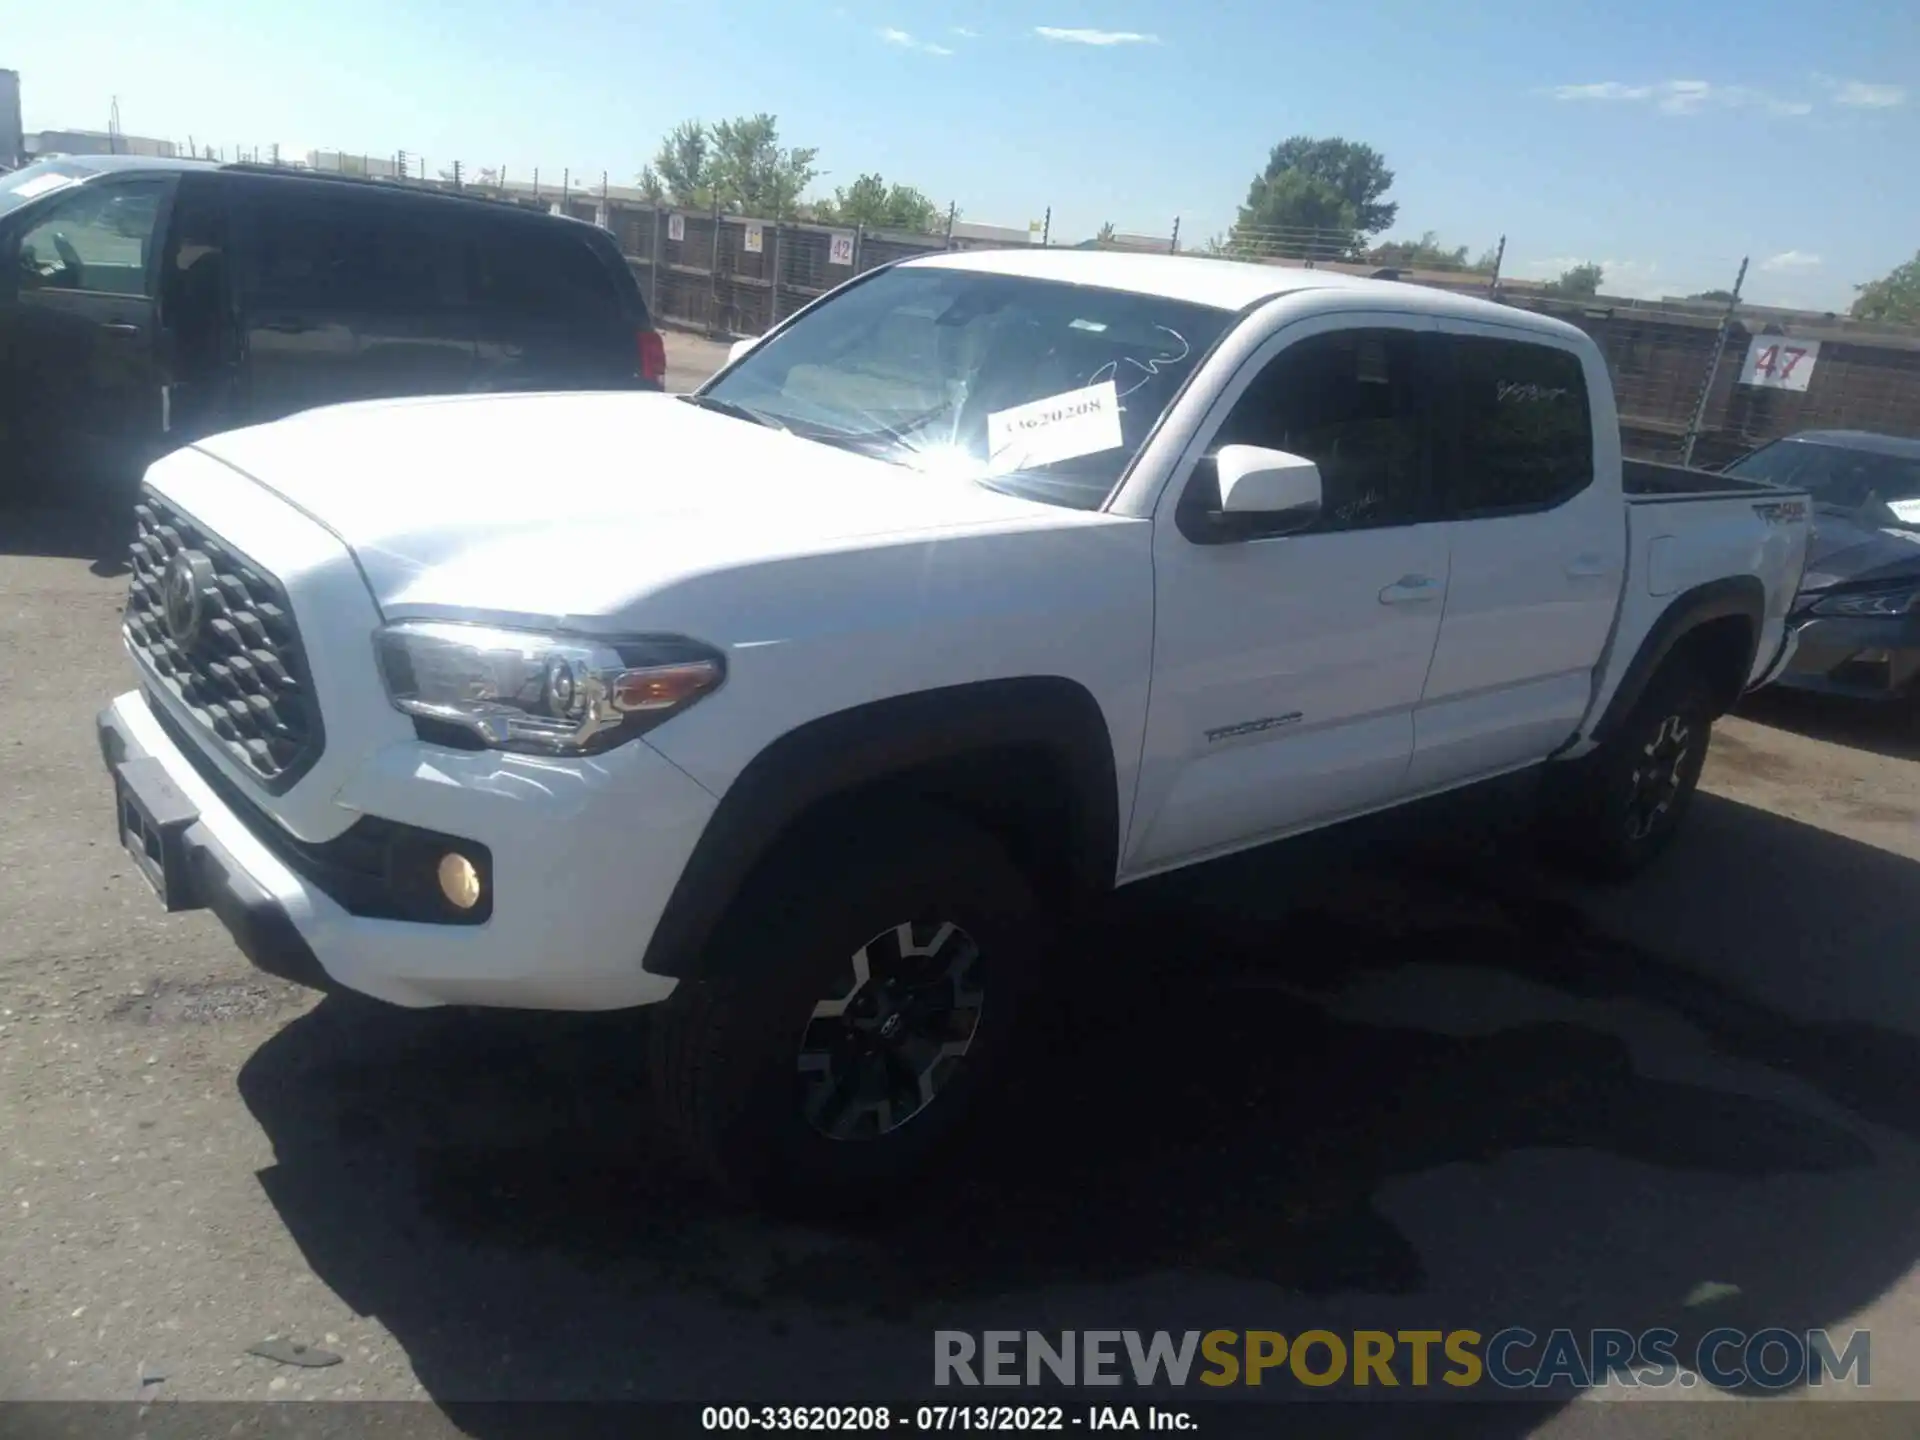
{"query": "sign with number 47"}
pixel 1775 362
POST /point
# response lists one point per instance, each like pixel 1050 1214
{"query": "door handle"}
pixel 1589 567
pixel 1409 589
pixel 119 327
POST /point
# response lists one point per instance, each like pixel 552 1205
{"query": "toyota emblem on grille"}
pixel 188 577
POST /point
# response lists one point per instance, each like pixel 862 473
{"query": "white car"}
pixel 986 583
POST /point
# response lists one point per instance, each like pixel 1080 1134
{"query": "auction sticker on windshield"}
pixel 1059 427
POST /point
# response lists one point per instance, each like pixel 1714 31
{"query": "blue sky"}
pixel 1664 140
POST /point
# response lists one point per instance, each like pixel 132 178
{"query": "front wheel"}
pixel 1609 814
pixel 855 1006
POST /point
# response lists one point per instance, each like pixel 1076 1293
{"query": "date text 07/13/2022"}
pixel 944 1419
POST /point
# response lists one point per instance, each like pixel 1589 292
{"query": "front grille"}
pixel 223 643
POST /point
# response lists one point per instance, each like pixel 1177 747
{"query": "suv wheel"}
pixel 857 1002
pixel 1611 813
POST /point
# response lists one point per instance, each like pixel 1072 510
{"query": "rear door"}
pixel 554 308
pixel 348 294
pixel 1539 551
pixel 83 388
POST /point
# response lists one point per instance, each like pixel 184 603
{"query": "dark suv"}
pixel 145 303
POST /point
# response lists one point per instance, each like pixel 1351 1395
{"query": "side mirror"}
pixel 739 348
pixel 1279 490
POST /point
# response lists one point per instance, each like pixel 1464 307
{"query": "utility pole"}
pixel 1499 257
pixel 1713 366
pixel 456 174
pixel 1046 229
pixel 1173 246
pixel 953 211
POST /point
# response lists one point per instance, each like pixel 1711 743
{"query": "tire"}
pixel 778 1097
pixel 1608 816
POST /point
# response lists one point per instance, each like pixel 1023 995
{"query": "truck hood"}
pixel 575 505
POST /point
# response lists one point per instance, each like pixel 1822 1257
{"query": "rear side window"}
pixel 544 270
pixel 1521 435
pixel 332 251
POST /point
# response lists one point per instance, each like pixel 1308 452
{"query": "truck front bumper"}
pixel 581 860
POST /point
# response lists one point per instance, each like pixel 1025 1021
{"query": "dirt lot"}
pixel 1391 1078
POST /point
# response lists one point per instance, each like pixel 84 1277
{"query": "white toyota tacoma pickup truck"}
pixel 984 584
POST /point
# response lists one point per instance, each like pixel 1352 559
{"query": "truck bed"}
pixel 1652 482
pixel 1688 528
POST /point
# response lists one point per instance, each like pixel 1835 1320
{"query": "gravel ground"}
pixel 1389 1078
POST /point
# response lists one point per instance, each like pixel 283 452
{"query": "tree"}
pixel 1426 253
pixel 1718 297
pixel 1580 282
pixel 1894 296
pixel 872 202
pixel 685 164
pixel 1489 260
pixel 1105 237
pixel 650 185
pixel 751 174
pixel 1319 197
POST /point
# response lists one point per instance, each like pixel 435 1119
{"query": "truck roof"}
pixel 1226 284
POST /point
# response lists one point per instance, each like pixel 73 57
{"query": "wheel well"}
pixel 1022 795
pixel 1029 761
pixel 1722 651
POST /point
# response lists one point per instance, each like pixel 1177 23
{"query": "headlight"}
pixel 546 694
pixel 1870 602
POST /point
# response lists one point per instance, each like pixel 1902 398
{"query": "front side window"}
pixel 94 240
pixel 1350 401
pixel 1036 387
pixel 1522 438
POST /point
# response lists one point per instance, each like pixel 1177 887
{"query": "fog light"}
pixel 459 880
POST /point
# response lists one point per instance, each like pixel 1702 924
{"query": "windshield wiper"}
pixel 733 408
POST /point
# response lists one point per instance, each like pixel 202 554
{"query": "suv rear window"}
pixel 331 250
pixel 549 270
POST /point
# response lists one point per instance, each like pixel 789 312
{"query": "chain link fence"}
pixel 1698 379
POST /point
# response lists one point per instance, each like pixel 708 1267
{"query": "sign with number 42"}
pixel 840 250
pixel 1775 362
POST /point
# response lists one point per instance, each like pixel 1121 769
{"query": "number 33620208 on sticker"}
pixel 1059 427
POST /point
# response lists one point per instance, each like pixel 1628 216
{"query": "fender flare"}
pixel 847 750
pixel 1734 595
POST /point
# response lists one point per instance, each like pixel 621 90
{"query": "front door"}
pixel 85 399
pixel 1286 669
